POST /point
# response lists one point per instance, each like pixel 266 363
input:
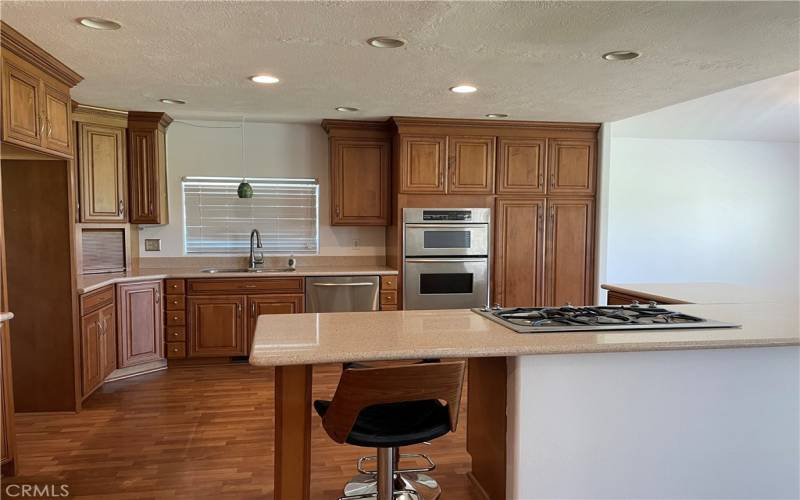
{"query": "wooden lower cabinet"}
pixel 98 348
pixel 7 437
pixel 270 304
pixel 139 323
pixel 216 326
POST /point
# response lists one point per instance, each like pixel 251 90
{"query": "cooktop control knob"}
pixel 635 303
pixel 653 304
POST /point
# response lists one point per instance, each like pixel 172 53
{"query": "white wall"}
pixel 702 210
pixel 271 150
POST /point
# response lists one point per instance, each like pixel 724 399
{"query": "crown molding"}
pixel 16 43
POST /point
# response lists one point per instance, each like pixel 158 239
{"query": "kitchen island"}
pixel 637 414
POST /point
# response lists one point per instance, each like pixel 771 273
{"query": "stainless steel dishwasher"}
pixel 342 293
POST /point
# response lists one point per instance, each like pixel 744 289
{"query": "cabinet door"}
pixel 6 401
pixel 108 341
pixel 360 182
pixel 569 252
pixel 58 124
pixel 142 177
pixel 423 161
pixel 101 156
pixel 270 304
pixel 139 323
pixel 519 252
pixel 471 165
pixel 91 369
pixel 216 326
pixel 22 119
pixel 521 166
pixel 571 167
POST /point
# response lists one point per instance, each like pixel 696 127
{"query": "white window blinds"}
pixel 216 220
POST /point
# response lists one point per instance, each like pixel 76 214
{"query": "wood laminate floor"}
pixel 196 432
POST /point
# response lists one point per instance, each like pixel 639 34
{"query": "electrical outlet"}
pixel 356 243
pixel 152 245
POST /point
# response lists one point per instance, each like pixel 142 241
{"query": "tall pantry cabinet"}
pixel 544 222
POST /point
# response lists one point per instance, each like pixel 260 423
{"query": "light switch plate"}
pixel 152 245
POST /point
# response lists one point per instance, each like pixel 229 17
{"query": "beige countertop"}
pixel 696 293
pixel 310 338
pixel 90 282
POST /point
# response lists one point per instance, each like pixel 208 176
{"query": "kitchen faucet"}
pixel 254 261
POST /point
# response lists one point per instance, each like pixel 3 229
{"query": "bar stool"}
pixel 390 407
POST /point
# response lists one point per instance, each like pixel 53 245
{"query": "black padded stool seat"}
pixel 396 424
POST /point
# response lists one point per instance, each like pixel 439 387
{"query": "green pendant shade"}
pixel 245 190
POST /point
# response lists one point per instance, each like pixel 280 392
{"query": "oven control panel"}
pixel 447 215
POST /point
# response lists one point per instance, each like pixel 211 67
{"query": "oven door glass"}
pixel 447 239
pixel 445 283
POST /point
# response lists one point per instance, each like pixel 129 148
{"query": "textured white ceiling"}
pixel 532 60
pixel 768 110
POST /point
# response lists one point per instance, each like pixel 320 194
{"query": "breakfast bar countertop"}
pixel 292 339
pixel 89 282
pixel 696 293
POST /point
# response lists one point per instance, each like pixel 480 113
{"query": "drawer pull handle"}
pixel 250 286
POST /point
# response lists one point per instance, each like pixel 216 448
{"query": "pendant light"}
pixel 245 190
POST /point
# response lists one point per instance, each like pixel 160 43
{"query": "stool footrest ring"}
pixel 411 493
pixel 363 460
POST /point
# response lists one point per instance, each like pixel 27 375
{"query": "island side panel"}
pixel 486 424
pixel 293 432
pixel 706 423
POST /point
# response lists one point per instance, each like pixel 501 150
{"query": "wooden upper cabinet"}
pixel 216 326
pixel 58 125
pixel 471 165
pixel 35 96
pixel 360 181
pixel 270 304
pixel 139 323
pixel 569 252
pixel 571 167
pixel 147 167
pixel 101 160
pixel 519 252
pixel 521 166
pixel 423 164
pixel 22 117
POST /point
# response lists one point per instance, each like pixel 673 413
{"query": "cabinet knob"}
pixel 175 349
pixel 175 318
pixel 175 302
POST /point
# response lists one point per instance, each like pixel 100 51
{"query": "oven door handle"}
pixel 469 225
pixel 447 259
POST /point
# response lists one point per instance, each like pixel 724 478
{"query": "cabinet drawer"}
pixel 388 282
pixel 176 318
pixel 234 285
pixel 175 333
pixel 93 301
pixel 389 298
pixel 175 302
pixel 174 287
pixel 176 350
pixel 388 308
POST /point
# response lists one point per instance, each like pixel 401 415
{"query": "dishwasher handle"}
pixel 344 284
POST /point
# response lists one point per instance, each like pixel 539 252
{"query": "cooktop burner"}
pixel 588 318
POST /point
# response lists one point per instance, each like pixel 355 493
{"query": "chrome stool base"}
pixel 409 484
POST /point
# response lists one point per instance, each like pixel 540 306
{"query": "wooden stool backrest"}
pixel 362 387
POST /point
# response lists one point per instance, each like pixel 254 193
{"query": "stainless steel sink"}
pixel 214 270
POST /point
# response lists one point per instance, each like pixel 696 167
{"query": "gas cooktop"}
pixel 593 318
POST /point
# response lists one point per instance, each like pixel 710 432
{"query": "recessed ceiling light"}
pixel 497 115
pixel 172 101
pixel 463 89
pixel 386 42
pixel 620 55
pixel 346 109
pixel 98 23
pixel 264 79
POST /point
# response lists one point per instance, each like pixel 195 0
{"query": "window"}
pixel 216 220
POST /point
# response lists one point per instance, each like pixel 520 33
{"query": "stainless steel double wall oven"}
pixel 446 257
